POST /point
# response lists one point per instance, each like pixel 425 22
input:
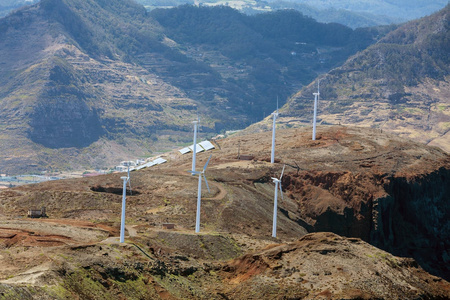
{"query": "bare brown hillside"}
pixel 360 183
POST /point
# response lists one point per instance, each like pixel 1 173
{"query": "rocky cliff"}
pixel 404 215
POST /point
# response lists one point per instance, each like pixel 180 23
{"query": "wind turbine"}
pixel 275 116
pixel 275 202
pixel 195 144
pixel 199 193
pixel 316 96
pixel 122 221
pixel 316 100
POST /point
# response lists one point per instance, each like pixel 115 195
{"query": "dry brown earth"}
pixel 356 182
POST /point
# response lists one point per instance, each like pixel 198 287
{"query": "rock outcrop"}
pixel 325 265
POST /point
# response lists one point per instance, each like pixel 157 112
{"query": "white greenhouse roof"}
pixel 207 145
pixel 185 150
pixel 198 148
pixel 159 161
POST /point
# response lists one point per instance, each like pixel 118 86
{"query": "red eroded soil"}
pixel 17 237
pixel 41 238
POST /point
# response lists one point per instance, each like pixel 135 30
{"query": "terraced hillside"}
pixel 400 84
pixel 85 84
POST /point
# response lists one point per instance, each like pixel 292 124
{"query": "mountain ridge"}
pixel 400 84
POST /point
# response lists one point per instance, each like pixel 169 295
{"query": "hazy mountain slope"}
pixel 404 9
pixel 90 83
pixel 350 13
pixel 331 14
pixel 272 54
pixel 400 84
pixel 6 6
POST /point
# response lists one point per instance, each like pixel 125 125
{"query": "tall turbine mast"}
pixel 275 116
pixel 316 96
pixel 275 202
pixel 199 193
pixel 122 221
pixel 316 100
pixel 128 175
pixel 195 143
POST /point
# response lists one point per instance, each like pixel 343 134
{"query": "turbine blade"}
pixel 129 184
pixel 194 172
pixel 282 172
pixel 206 181
pixel 204 168
pixel 281 192
pixel 277 104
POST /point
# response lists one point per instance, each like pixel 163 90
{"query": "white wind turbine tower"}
pixel 275 116
pixel 316 100
pixel 122 221
pixel 128 175
pixel 199 193
pixel 275 202
pixel 195 143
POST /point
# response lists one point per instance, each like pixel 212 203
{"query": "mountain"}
pixel 400 84
pixel 86 84
pixel 332 14
pixel 364 215
pixel 7 6
pixel 401 9
pixel 350 13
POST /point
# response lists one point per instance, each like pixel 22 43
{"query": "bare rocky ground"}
pixel 371 187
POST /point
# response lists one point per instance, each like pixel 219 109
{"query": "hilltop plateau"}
pixel 384 198
pixel 401 84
